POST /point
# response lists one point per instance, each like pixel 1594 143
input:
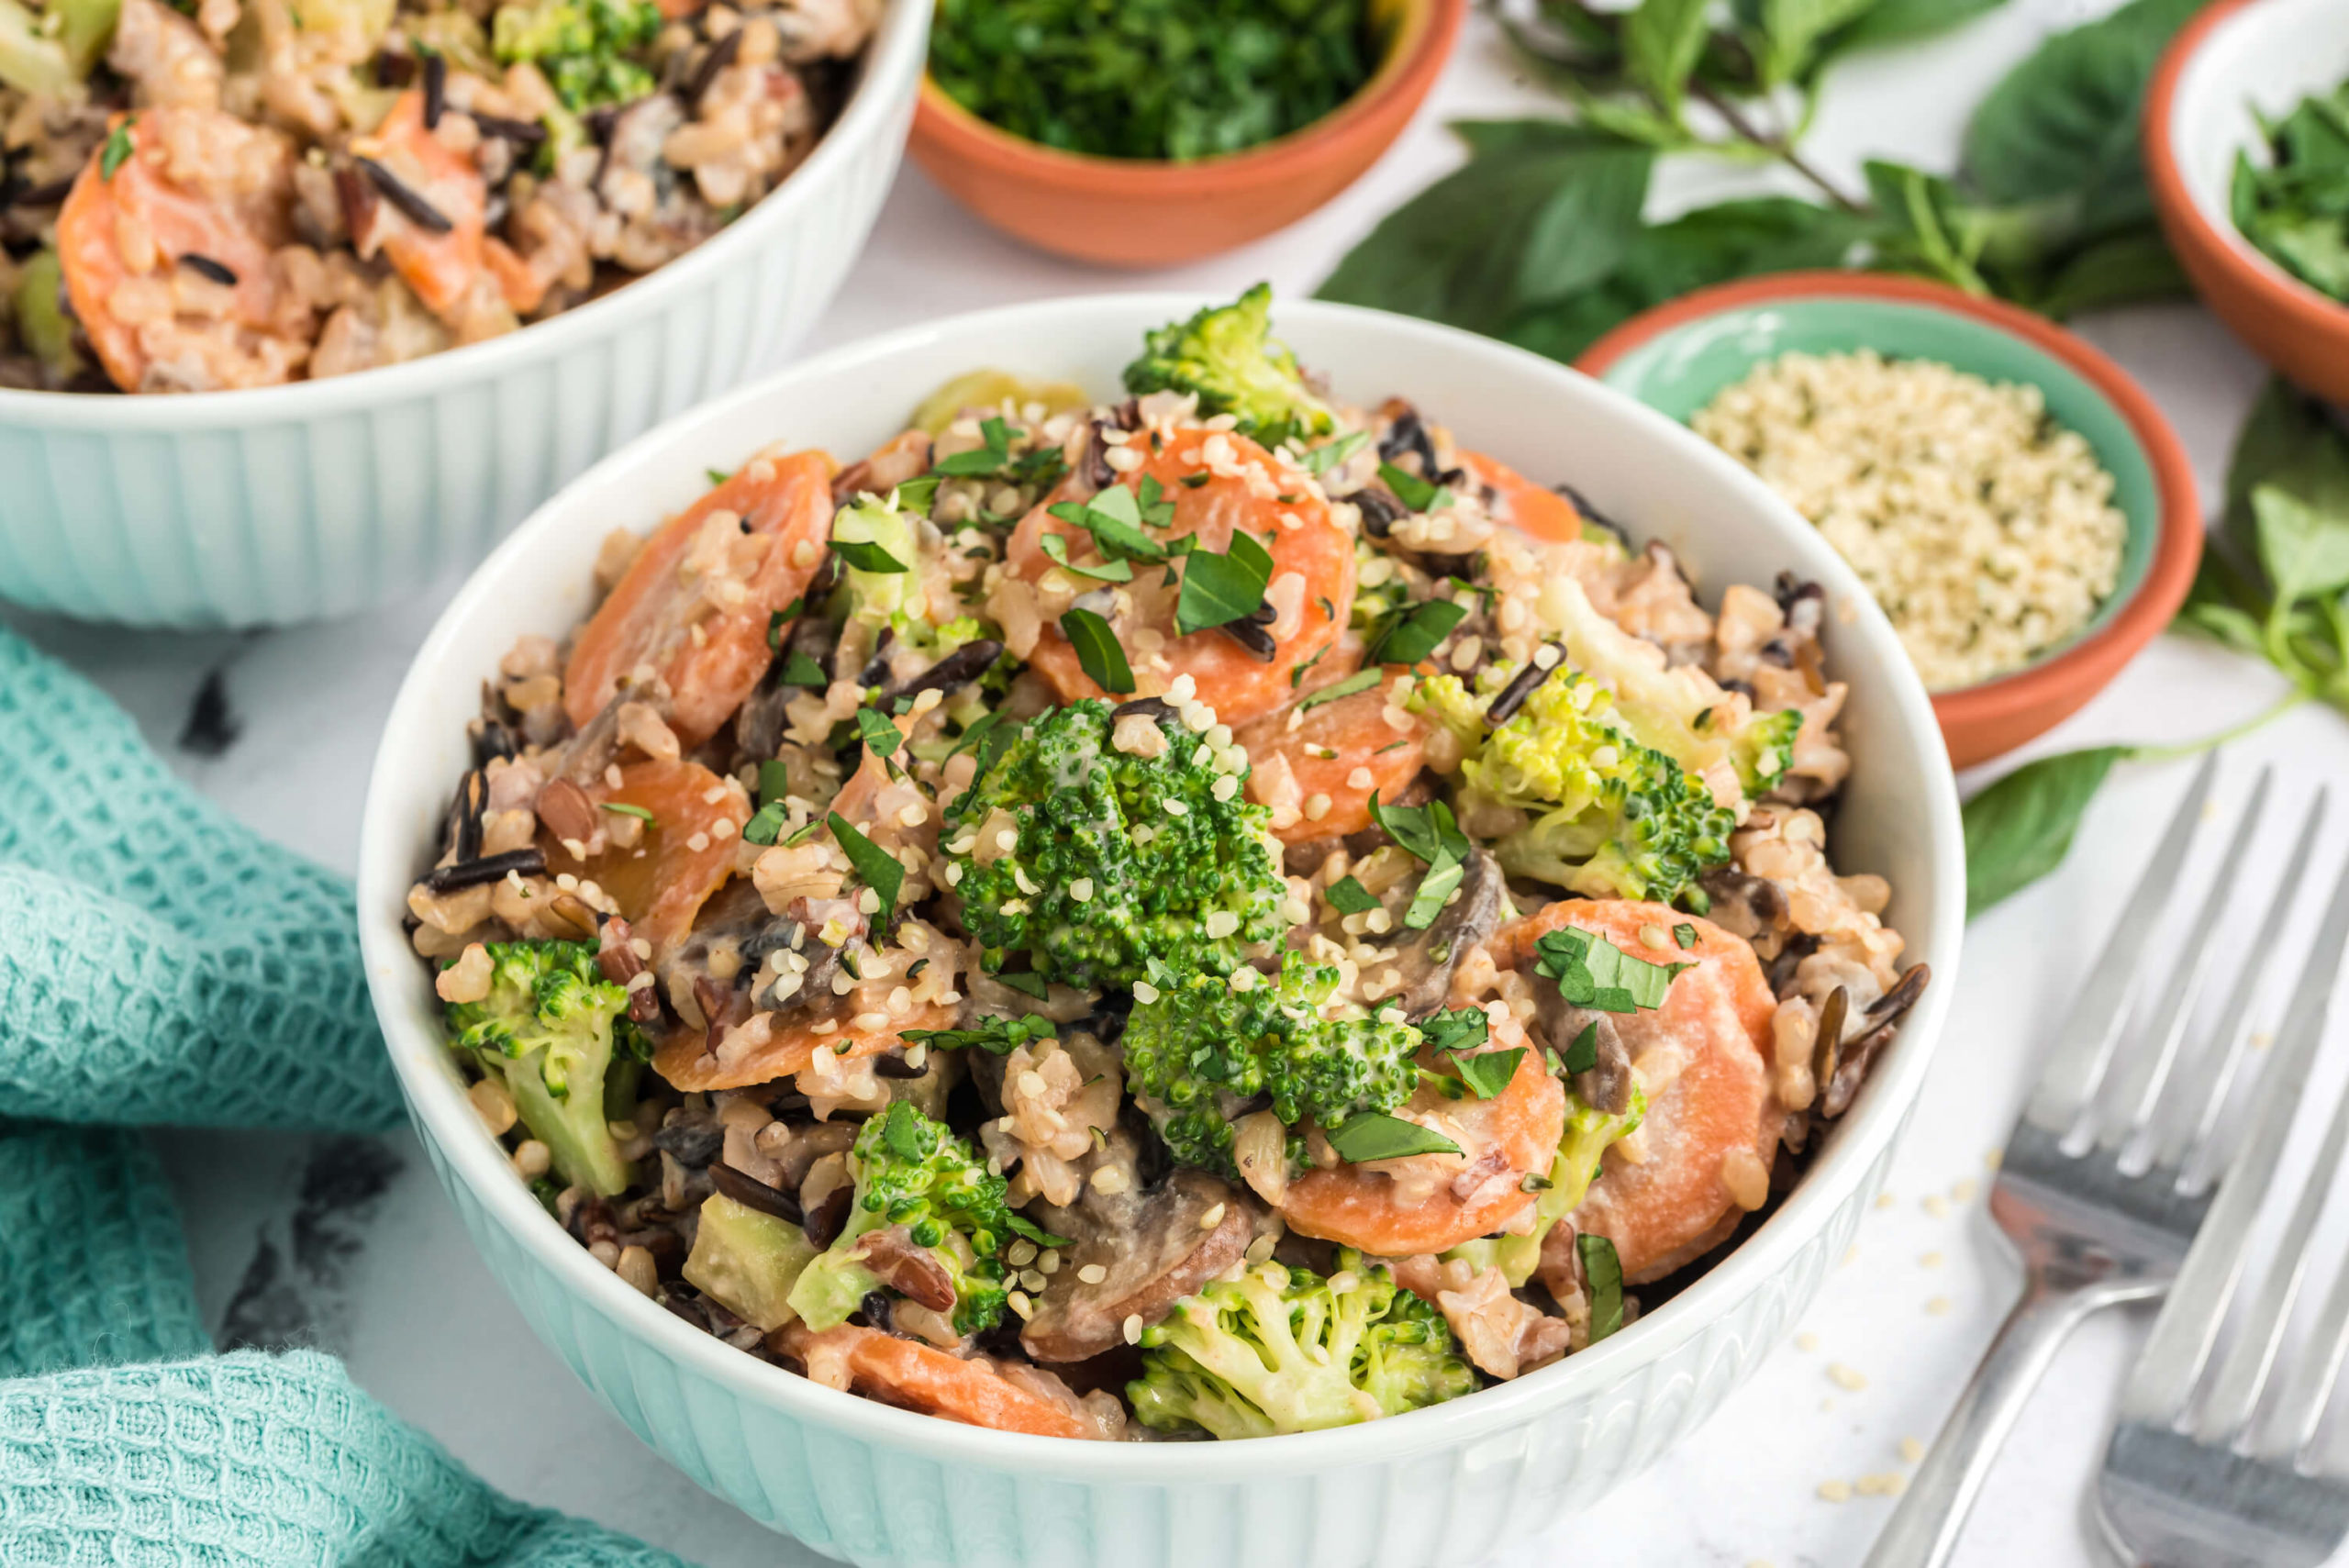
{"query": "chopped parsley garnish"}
pixel 1219 589
pixel 1592 971
pixel 1330 454
pixel 877 867
pixel 1407 634
pixel 1583 1054
pixel 1028 983
pixel 1685 934
pixel 1414 491
pixel 1111 570
pixel 997 1035
pixel 117 149
pixel 1374 1135
pixel 623 808
pixel 799 669
pixel 882 737
pixel 1430 832
pixel 1602 1272
pixel 1360 681
pixel 1349 896
pixel 774 781
pixel 1097 651
pixel 866 556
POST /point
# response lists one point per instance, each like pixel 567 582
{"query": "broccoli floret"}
pixel 1282 1350
pixel 913 1171
pixel 582 47
pixel 556 1029
pixel 1587 1137
pixel 1204 1048
pixel 1123 865
pixel 1674 710
pixel 1611 817
pixel 1226 355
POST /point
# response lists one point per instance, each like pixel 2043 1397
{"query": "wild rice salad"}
pixel 1216 914
pixel 206 195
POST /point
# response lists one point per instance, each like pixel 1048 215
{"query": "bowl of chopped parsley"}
pixel 1156 131
pixel 2246 150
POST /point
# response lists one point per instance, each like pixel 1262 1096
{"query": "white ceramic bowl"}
pixel 875 1485
pixel 318 499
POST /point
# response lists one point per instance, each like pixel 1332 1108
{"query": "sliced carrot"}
pixel 661 882
pixel 1298 534
pixel 167 220
pixel 439 265
pixel 523 289
pixel 1504 1139
pixel 1342 750
pixel 1713 1039
pixel 780 1049
pixel 711 654
pixel 1543 513
pixel 918 1378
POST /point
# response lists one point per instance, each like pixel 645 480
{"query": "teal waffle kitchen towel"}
pixel 159 964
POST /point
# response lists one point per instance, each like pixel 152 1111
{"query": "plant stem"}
pixel 1777 146
pixel 2291 700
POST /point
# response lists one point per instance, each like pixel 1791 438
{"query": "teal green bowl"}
pixel 1677 357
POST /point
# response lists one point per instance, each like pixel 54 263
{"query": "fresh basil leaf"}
pixel 1709 245
pixel 1374 1135
pixel 2305 549
pixel 1662 39
pixel 866 556
pixel 1349 896
pixel 1792 31
pixel 1360 681
pixel 1026 983
pixel 1097 651
pixel 1592 971
pixel 799 669
pixel 1537 216
pixel 2131 267
pixel 1330 454
pixel 1218 589
pixel 2019 829
pixel 902 1133
pixel 2288 440
pixel 1582 1055
pixel 774 781
pixel 876 867
pixel 983 460
pixel 623 808
pixel 1416 633
pixel 1408 826
pixel 1685 935
pixel 717 476
pixel 1901 21
pixel 2063 123
pixel 1602 1272
pixel 1488 1072
pixel 1056 548
pixel 879 735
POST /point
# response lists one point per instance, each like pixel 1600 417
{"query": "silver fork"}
pixel 2198 1472
pixel 2100 1189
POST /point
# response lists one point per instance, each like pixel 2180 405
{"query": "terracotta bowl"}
pixel 2236 57
pixel 1124 212
pixel 1677 357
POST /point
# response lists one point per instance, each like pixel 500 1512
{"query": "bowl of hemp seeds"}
pixel 2014 502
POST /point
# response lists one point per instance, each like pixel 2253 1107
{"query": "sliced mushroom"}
pixel 1606 1087
pixel 1428 959
pixel 1154 1242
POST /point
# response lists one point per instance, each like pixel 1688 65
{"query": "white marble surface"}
pixel 422 1326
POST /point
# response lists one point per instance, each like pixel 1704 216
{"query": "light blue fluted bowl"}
pixel 878 1485
pixel 322 498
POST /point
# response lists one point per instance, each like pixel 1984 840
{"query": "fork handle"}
pixel 1925 1528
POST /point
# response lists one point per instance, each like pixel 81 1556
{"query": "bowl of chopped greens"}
pixel 1193 940
pixel 2246 148
pixel 1147 134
